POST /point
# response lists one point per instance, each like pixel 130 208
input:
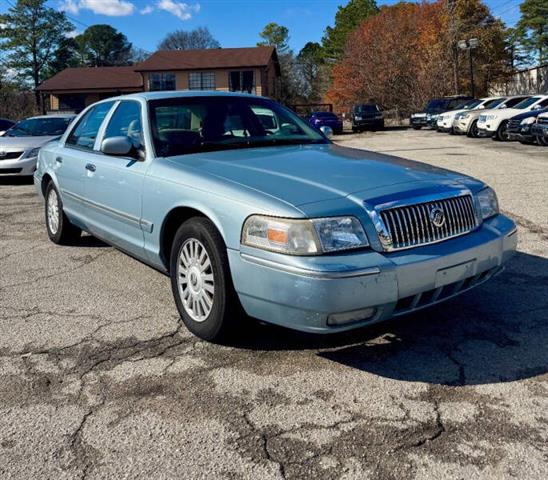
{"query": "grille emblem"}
pixel 437 216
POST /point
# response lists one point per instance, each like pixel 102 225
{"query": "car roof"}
pixel 182 94
pixel 38 117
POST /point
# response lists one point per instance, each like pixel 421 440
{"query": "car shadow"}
pixel 16 180
pixel 495 333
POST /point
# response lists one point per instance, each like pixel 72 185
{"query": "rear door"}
pixel 114 186
pixel 72 157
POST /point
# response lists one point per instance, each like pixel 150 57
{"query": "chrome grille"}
pixel 543 120
pixel 411 225
pixel 10 155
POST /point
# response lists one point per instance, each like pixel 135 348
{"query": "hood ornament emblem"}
pixel 437 217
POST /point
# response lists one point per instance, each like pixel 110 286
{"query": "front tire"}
pixel 502 134
pixel 473 130
pixel 201 281
pixel 60 230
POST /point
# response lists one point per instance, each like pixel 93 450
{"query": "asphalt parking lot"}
pixel 99 379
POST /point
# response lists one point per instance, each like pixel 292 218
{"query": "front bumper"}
pixel 18 166
pixel 462 125
pixel 418 121
pixel 484 132
pixel 303 292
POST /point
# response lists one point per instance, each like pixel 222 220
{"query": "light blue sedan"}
pixel 248 208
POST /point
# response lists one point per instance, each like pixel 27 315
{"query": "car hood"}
pixel 24 143
pixel 312 173
pixel 532 113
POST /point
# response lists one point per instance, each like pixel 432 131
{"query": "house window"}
pixel 241 81
pixel 201 81
pixel 161 81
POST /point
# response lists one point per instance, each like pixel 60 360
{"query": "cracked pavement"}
pixel 100 379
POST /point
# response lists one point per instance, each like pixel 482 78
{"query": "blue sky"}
pixel 235 23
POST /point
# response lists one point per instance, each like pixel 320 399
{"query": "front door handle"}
pixel 90 167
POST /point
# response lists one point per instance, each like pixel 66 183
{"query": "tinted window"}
pixel 328 115
pixel 526 103
pixel 512 102
pixel 456 103
pixel 85 133
pixel 40 127
pixel 471 104
pixel 198 124
pixel 5 124
pixel 544 103
pixel 493 103
pixel 366 108
pixel 126 122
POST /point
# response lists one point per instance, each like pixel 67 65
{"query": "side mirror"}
pixel 537 107
pixel 327 131
pixel 120 147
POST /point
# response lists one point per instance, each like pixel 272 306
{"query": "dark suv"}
pixel 367 115
pixel 429 116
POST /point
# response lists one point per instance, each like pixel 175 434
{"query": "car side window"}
pixel 126 122
pixel 84 134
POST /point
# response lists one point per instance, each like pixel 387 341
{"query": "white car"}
pixel 494 123
pixel 467 122
pixel 20 144
pixel 446 120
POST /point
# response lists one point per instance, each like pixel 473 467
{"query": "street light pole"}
pixel 470 45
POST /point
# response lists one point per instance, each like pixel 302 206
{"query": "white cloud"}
pixel 181 10
pixel 70 6
pixel 145 11
pixel 110 8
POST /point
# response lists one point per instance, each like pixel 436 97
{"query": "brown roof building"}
pixel 253 70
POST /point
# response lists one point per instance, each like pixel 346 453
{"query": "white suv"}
pixel 467 122
pixel 446 120
pixel 494 122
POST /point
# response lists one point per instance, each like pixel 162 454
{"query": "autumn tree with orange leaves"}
pixel 403 56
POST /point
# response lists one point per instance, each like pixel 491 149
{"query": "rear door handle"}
pixel 59 160
pixel 90 167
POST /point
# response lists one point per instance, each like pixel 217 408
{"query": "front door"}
pixel 71 159
pixel 114 186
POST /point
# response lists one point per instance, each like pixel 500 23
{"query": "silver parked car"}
pixel 20 144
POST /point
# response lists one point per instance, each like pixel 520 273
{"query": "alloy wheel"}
pixel 195 279
pixel 53 211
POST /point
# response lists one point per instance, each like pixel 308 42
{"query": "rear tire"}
pixel 201 282
pixel 60 230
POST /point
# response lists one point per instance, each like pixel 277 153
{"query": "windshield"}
pixel 527 102
pixel 366 108
pixel 471 104
pixel 327 115
pixel 437 104
pixel 183 125
pixel 39 127
pixel 493 103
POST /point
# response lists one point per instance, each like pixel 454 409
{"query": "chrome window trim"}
pixel 319 274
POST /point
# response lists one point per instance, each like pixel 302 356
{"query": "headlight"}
pixel 490 117
pixel 303 237
pixel 528 121
pixel 489 205
pixel 465 115
pixel 32 153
